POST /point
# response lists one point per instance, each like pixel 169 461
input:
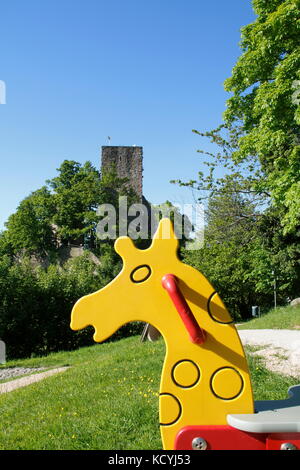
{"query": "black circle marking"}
pixel 180 409
pixel 211 315
pixel 218 396
pixel 185 386
pixel 144 278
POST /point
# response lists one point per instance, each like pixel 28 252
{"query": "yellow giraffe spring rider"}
pixel 206 399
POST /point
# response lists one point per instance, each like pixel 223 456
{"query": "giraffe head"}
pixel 136 294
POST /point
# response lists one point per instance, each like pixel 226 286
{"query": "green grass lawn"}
pixel 107 399
pixel 280 318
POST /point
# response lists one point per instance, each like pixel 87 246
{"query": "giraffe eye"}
pixel 140 273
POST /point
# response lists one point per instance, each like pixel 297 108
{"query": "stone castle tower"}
pixel 128 162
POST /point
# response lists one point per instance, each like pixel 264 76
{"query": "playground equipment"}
pixel 206 399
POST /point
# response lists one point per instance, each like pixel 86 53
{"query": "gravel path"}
pixel 24 381
pixel 12 372
pixel 279 348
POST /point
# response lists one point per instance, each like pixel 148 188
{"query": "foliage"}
pixel 232 240
pixel 232 230
pixel 35 304
pixel 264 106
pixel 245 253
pixel 64 210
pixel 76 192
pixel 251 186
pixel 29 227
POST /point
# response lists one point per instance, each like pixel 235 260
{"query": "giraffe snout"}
pixel 79 318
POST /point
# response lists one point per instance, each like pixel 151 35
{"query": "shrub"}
pixel 36 304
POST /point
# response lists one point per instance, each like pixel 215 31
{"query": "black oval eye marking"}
pixel 140 273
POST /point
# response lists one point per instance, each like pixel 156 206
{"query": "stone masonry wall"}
pixel 128 162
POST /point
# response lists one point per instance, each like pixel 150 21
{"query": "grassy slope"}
pixel 280 318
pixel 108 399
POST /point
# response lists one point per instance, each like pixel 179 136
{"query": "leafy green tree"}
pixel 63 211
pixel 264 104
pixel 244 253
pixel 260 136
pixel 257 165
pixel 29 228
pixel 231 233
pixel 279 254
pixel 76 192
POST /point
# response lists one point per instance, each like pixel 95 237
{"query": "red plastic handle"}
pixel 197 334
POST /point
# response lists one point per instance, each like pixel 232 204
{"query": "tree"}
pixel 264 103
pixel 62 211
pixel 260 135
pixel 231 232
pixel 29 228
pixel 258 150
pixel 240 261
pixel 245 246
pixel 76 192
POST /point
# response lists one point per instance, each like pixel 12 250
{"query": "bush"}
pixel 36 304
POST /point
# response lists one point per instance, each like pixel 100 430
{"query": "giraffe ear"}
pixel 165 235
pixel 124 246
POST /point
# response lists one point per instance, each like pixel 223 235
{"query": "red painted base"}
pixel 228 438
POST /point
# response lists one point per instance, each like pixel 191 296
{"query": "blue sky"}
pixel 143 72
